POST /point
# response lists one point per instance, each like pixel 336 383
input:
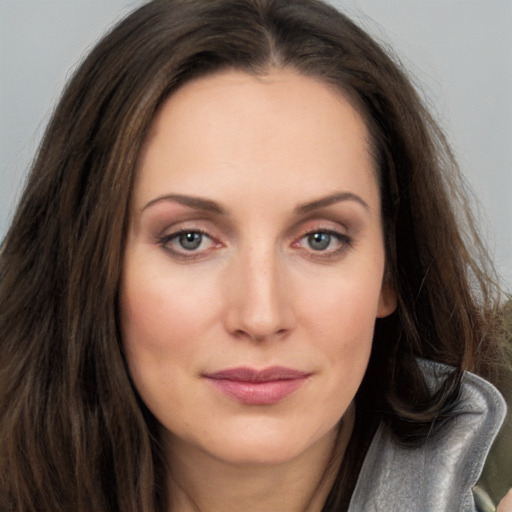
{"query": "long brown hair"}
pixel 73 433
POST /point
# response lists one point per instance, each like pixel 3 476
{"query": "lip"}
pixel 257 387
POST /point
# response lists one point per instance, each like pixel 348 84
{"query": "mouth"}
pixel 250 386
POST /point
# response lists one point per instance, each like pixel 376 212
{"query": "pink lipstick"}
pixel 257 387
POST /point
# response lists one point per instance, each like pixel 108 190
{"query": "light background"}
pixel 459 53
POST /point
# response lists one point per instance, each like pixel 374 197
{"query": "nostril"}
pixel 252 335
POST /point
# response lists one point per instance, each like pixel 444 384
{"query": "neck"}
pixel 199 482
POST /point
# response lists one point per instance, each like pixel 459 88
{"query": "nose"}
pixel 258 297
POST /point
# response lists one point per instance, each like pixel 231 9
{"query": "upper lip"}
pixel 248 374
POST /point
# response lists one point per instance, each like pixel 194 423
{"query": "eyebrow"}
pixel 329 200
pixel 198 203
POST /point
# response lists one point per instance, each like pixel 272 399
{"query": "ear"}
pixel 387 299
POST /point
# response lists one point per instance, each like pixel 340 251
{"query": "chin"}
pixel 266 445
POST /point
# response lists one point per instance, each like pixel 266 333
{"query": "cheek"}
pixel 147 318
pixel 165 319
pixel 160 310
pixel 153 323
pixel 345 303
pixel 340 315
pixel 159 331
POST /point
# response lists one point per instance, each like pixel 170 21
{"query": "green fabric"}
pixel 496 478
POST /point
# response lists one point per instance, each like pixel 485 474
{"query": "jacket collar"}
pixel 439 475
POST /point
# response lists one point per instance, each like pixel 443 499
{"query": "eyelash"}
pixel 345 242
pixel 185 255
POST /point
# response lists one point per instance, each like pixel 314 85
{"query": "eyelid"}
pixel 328 231
pixel 345 242
pixel 184 255
pixel 161 222
pixel 341 231
pixel 321 224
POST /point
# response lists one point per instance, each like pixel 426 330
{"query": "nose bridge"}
pixel 259 307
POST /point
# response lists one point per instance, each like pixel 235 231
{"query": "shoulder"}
pixel 439 475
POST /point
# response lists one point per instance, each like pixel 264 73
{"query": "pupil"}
pixel 319 241
pixel 190 241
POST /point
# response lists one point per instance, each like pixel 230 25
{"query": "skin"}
pixel 276 160
pixel 506 503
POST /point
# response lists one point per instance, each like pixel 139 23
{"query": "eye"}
pixel 324 243
pixel 186 244
pixel 319 241
pixel 190 241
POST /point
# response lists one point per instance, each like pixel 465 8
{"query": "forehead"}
pixel 238 129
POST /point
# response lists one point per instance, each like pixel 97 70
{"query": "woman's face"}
pixel 254 265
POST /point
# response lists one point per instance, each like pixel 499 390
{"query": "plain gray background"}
pixel 459 53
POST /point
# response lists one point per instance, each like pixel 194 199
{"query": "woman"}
pixel 237 281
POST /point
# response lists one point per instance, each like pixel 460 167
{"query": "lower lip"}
pixel 257 393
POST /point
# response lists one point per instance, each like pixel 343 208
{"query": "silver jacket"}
pixel 439 475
